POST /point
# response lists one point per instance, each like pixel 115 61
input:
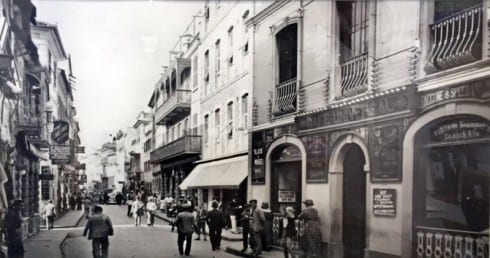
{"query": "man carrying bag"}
pixel 99 228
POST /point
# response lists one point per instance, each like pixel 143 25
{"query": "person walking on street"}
pixel 79 201
pixel 129 202
pixel 267 232
pixel 312 236
pixel 185 228
pixel 202 214
pixel 257 226
pixel 87 204
pixel 151 207
pixel 137 209
pixel 245 222
pixel 287 230
pixel 216 222
pixel 13 229
pixel 99 228
pixel 49 213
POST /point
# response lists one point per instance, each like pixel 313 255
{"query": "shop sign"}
pixel 79 149
pixel 386 153
pixel 384 202
pixel 46 174
pixel 460 129
pixel 317 156
pixel 355 112
pixel 471 90
pixel 83 178
pixel 60 154
pixel 287 196
pixel 80 166
pixel 61 131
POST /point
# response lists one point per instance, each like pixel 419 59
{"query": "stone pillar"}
pixel 335 245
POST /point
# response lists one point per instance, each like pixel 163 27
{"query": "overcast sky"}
pixel 118 49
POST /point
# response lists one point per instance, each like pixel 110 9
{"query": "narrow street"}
pixel 129 241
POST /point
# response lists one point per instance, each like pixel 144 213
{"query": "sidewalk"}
pixel 69 219
pixel 235 248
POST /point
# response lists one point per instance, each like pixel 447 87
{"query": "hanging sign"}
pixel 384 202
pixel 61 131
pixel 79 149
pixel 60 154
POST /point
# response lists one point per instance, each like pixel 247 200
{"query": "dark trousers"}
pixel 215 237
pixel 245 234
pixel 201 229
pixel 100 247
pixel 129 211
pixel 187 237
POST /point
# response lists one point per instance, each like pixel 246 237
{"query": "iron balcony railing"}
pixel 285 97
pixel 436 242
pixel 178 99
pixel 188 144
pixel 354 75
pixel 456 40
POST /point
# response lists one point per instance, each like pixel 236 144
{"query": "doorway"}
pixel 354 202
pixel 286 178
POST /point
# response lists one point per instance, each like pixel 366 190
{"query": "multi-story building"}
pixel 379 112
pixel 140 168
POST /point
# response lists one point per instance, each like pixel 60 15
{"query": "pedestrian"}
pixel 129 202
pixel 185 228
pixel 202 214
pixel 87 204
pixel 257 226
pixel 119 198
pixel 13 233
pixel 73 202
pixel 99 228
pixel 312 236
pixel 216 222
pixel 245 222
pixel 49 213
pixel 79 201
pixel 151 207
pixel 137 209
pixel 168 201
pixel 267 232
pixel 233 209
pixel 287 230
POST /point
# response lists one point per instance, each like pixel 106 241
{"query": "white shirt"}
pixel 49 210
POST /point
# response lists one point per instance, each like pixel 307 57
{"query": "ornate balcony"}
pixel 354 76
pixel 456 40
pixel 285 97
pixel 176 107
pixel 186 146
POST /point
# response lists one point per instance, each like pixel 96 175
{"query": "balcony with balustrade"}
pixel 354 76
pixel 456 40
pixel 174 108
pixel 286 97
pixel 188 146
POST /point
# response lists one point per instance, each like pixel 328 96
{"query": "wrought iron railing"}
pixel 354 75
pixel 438 243
pixel 276 238
pixel 186 144
pixel 285 97
pixel 456 40
pixel 179 97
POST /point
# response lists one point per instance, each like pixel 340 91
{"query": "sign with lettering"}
pixel 286 196
pixel 379 106
pixel 384 202
pixel 385 145
pixel 61 131
pixel 60 154
pixel 79 149
pixel 80 166
pixel 460 129
pixel 258 158
pixel 317 155
pixel 471 90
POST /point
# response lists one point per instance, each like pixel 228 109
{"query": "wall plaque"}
pixel 386 153
pixel 317 156
pixel 384 202
pixel 460 129
pixel 470 90
pixel 286 196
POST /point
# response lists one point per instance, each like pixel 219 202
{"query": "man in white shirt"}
pixel 49 213
pixel 151 206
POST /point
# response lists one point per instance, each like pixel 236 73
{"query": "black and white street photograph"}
pixel 244 128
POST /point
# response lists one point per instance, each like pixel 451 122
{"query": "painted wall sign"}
pixel 60 154
pixel 317 156
pixel 61 131
pixel 376 107
pixel 286 196
pixel 471 90
pixel 460 129
pixel 386 156
pixel 384 202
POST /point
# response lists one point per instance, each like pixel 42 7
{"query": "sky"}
pixel 118 49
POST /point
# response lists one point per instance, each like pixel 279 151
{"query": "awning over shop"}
pixel 227 174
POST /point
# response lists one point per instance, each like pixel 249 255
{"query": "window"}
pixel 206 128
pixel 179 130
pixel 194 72
pixel 194 124
pixel 230 36
pixel 217 122
pixel 353 22
pixel 206 65
pixel 287 50
pixel 217 46
pixel 244 110
pixel 229 113
pixel 186 126
pixel 173 134
pixel 167 136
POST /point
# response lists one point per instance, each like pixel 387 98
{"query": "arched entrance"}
pixel 354 202
pixel 286 177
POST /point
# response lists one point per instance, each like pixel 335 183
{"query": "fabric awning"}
pixel 225 174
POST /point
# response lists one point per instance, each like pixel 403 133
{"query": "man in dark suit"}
pixel 216 222
pixel 185 228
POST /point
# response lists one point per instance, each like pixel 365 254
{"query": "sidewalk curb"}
pixel 62 243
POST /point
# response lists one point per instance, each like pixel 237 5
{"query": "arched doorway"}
pixel 354 202
pixel 286 177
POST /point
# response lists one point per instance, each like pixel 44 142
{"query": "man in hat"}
pixel 216 222
pixel 185 228
pixel 257 226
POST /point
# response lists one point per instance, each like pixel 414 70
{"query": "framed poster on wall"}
pixel 386 156
pixel 286 196
pixel 317 156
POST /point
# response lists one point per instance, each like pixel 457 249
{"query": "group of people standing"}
pixel 142 204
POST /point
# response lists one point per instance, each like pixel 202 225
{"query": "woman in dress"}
pixel 312 236
pixel 137 209
pixel 287 230
pixel 267 232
